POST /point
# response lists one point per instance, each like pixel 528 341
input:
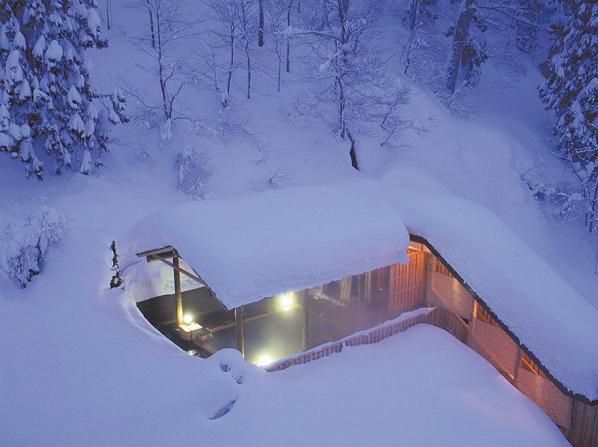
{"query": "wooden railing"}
pixel 373 335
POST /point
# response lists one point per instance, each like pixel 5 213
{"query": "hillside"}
pixel 80 365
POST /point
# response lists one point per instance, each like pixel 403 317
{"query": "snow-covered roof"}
pixel 529 297
pixel 291 239
pixel 260 245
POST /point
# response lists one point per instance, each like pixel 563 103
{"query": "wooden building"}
pixel 320 315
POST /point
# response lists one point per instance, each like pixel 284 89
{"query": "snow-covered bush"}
pixel 24 245
pixel 193 170
pixel 568 201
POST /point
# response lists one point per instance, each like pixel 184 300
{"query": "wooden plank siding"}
pixel 407 283
pixel 428 281
pixel 584 425
pixel 444 290
pixel 547 396
pixel 495 345
pixel 482 332
pixel 450 322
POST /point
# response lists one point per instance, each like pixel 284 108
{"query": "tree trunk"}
pixel 353 152
pixel 412 27
pixel 232 60
pixel 279 72
pixel 108 14
pixel 460 37
pixel 341 109
pixel 288 65
pixel 247 55
pixel 152 30
pixel 161 76
pixel 261 24
pixel 248 69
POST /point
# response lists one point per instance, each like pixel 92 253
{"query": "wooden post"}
pixel 367 296
pixel 517 366
pixel 240 330
pixel 177 291
pixel 305 320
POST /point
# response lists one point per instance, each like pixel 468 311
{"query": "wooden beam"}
pixel 193 276
pixel 177 291
pixel 226 326
pixel 240 330
pixel 167 250
pixel 181 270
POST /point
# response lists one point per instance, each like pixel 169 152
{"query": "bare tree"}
pixel 413 27
pixel 151 22
pixel 276 13
pixel 233 28
pixel 225 30
pixel 289 8
pixel 246 25
pixel 350 73
pixel 167 66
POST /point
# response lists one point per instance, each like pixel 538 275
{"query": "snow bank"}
pixel 545 312
pixel 420 388
pixel 263 244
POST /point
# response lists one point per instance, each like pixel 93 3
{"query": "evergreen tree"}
pixel 571 91
pixel 571 87
pixel 47 101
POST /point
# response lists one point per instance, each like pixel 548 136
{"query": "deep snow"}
pixel 80 366
pixel 268 243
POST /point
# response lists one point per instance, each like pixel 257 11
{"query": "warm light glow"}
pixel 264 360
pixel 187 318
pixel 286 301
pixel 193 326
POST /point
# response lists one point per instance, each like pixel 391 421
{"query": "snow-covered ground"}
pixel 79 366
pixel 420 388
pixel 84 367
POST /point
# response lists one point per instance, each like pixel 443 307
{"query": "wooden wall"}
pixel 408 284
pixel 584 425
pixel 443 290
pixel 427 282
pixel 462 315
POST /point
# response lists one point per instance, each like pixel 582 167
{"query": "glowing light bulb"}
pixel 286 301
pixel 264 360
pixel 187 318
